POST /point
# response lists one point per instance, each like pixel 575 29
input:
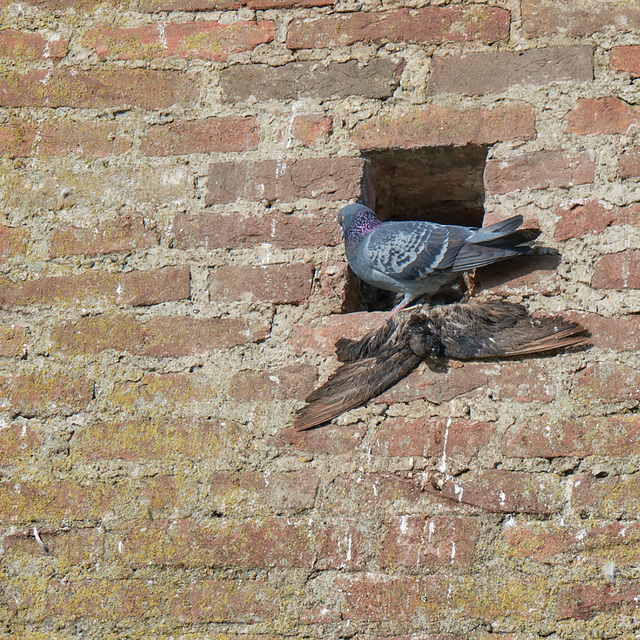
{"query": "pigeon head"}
pixel 356 220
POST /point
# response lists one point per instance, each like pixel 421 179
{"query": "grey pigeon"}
pixel 464 331
pixel 415 257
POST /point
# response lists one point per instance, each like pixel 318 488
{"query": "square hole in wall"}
pixel 438 184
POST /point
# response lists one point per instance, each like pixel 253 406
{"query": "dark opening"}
pixel 438 184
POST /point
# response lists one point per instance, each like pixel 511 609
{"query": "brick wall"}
pixel 172 283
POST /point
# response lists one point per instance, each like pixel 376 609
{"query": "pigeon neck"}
pixel 361 225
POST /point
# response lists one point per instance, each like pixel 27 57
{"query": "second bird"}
pixel 414 257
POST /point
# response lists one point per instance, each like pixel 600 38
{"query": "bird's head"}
pixel 356 220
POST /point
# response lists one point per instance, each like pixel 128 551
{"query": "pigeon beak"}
pixel 341 234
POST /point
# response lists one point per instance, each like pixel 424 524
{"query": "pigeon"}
pixel 464 331
pixel 414 257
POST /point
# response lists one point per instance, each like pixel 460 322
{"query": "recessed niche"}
pixel 438 184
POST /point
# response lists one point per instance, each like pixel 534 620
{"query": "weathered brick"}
pixel 135 288
pixel 271 542
pixel 316 228
pixel 55 499
pixel 578 219
pixel 153 439
pixel 293 381
pixel 588 542
pixel 507 491
pixel 539 170
pixel 37 394
pixel 122 234
pixel 583 601
pixel 18 45
pixel 158 393
pixel 443 126
pixel 19 441
pixel 543 17
pixel 626 58
pixel 603 115
pixel 606 382
pixel 13 340
pixel 614 334
pixel 330 439
pixel 520 275
pixel 309 128
pixel 612 436
pixel 607 497
pixel 629 164
pixel 433 437
pixel 213 135
pixel 148 89
pixel 192 602
pixel 279 284
pixel 285 180
pixel 209 40
pixel 419 542
pixel 216 5
pixel 111 188
pixel 295 80
pixel 617 271
pixel 13 241
pixel 161 336
pixel 429 25
pixel 253 492
pixel 497 71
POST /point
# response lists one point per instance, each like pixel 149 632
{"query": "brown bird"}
pixel 464 331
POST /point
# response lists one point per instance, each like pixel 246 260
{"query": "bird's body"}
pixel 415 257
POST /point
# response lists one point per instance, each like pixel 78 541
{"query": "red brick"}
pixel 612 436
pixel 123 234
pixel 523 275
pixel 158 337
pixel 627 59
pixel 156 393
pixel 13 242
pixel 608 497
pixel 375 79
pixel 148 89
pixel 19 441
pixel 71 547
pixel 21 46
pixel 309 128
pixel 629 165
pixel 613 334
pixel 37 394
pixel 213 135
pixel 13 340
pixel 253 492
pixel 565 544
pixel 617 271
pixel 209 40
pixel 539 170
pixel 603 115
pixel 499 213
pixel 380 493
pixel 332 440
pixel 507 491
pixel 444 126
pixel 606 382
pixel 315 228
pixel 153 439
pixel 189 602
pixel 429 25
pixel 285 180
pixel 135 288
pixel 578 219
pixel 419 542
pixel 583 601
pixel 54 500
pixel 497 71
pixel 433 437
pixel 278 284
pixel 294 381
pixel 265 543
pixel 215 5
